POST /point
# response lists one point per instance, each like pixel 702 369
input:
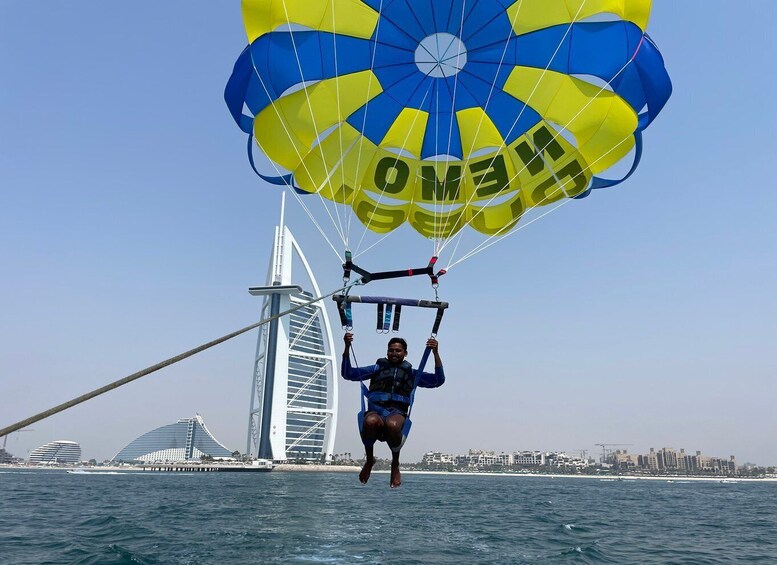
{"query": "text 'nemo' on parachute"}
pixel 446 114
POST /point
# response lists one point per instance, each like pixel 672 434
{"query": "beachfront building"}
pixel 668 460
pixel 625 461
pixel 479 459
pixel 529 458
pixel 438 459
pixel 293 408
pixel 188 439
pixel 564 461
pixel 56 452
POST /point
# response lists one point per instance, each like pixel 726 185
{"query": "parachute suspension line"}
pixel 135 376
pixel 315 127
pixel 437 202
pixel 313 219
pixel 366 109
pixel 346 228
pixel 520 114
pixel 404 145
pixel 442 243
pixel 299 201
pixel 440 237
pixel 383 190
pixel 517 119
pixel 504 232
pixel 558 134
pixel 283 177
pixel 536 86
pixel 555 136
pixel 455 82
pixel 366 249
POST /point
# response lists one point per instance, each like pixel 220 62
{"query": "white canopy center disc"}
pixel 441 55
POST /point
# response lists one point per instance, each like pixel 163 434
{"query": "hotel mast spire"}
pixel 293 411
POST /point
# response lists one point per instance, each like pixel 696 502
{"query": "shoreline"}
pixel 605 478
pixel 286 467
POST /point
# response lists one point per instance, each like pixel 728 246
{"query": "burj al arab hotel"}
pixel 293 411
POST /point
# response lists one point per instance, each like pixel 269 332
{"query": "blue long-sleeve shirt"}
pixel 427 380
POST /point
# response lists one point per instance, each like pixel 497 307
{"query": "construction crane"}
pixel 604 447
pixel 5 438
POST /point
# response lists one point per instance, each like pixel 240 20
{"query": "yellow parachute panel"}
pixel 602 123
pixel 530 15
pixel 407 131
pixel 287 129
pixel 346 17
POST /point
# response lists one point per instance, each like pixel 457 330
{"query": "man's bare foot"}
pixel 364 474
pixel 396 477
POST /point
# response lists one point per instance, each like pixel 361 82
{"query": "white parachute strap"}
pixel 280 173
pixel 364 119
pixel 380 198
pixel 520 114
pixel 555 136
pixel 437 205
pixel 315 128
pixel 536 86
pixel 504 233
pixel 357 251
pixel 436 241
pixel 345 228
pixel 373 244
pixel 304 207
pixel 383 191
pixel 438 237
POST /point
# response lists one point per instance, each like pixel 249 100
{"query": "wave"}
pixel 82 472
pixel 589 552
pixel 129 556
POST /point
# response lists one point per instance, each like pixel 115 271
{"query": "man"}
pixel 392 381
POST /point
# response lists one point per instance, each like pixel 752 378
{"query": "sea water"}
pixel 51 516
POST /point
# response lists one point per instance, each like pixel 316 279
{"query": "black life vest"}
pixel 395 382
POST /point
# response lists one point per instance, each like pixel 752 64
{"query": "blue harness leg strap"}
pixel 408 422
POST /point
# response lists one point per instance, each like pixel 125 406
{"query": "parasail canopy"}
pixel 447 114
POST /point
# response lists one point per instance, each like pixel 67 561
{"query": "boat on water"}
pixel 263 464
pixel 255 466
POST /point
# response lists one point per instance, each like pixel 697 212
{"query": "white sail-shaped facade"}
pixel 188 439
pixel 293 410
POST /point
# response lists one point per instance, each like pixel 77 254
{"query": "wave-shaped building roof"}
pixel 186 440
pixel 60 451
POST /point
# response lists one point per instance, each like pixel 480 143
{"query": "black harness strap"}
pixel 438 320
pixel 367 276
pixel 397 314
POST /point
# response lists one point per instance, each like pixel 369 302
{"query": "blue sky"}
pixel 131 226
